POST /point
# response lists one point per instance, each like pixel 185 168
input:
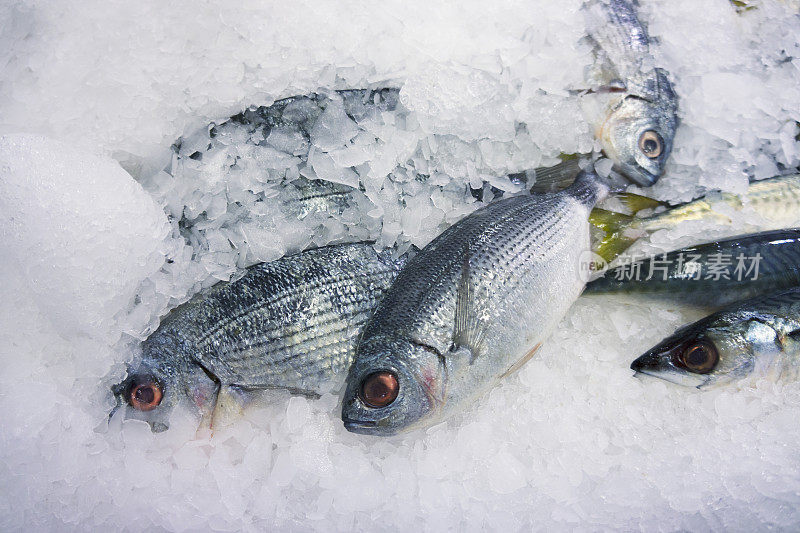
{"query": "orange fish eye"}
pixel 145 395
pixel 651 144
pixel 379 389
pixel 700 357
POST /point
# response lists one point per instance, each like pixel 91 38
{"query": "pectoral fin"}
pixel 471 326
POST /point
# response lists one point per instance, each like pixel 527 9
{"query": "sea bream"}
pixel 752 339
pixel 631 102
pixel 288 324
pixel 471 307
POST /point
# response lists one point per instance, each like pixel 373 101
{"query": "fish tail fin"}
pixel 637 202
pixel 615 241
pixel 557 177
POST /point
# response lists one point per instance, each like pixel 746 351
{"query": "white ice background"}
pixel 92 95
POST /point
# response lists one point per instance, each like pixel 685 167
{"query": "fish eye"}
pixel 379 389
pixel 651 144
pixel 144 394
pixel 700 357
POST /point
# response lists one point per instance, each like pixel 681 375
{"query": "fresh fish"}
pixel 288 324
pixel 633 106
pixel 713 274
pixel 471 307
pixel 302 197
pixel 776 200
pixel 277 138
pixel 755 338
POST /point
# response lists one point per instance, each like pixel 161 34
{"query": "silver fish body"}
pixel 469 308
pixel 757 338
pixel 712 274
pixel 633 106
pixel 288 324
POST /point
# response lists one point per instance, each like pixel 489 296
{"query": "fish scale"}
pixel 291 324
pixel 517 262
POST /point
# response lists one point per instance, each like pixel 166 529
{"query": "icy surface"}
pixel 91 259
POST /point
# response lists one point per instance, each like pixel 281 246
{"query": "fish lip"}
pixel 354 425
pixel 642 177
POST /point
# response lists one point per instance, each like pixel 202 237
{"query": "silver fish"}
pixel 756 338
pixel 288 324
pixel 712 274
pixel 633 106
pixel 471 307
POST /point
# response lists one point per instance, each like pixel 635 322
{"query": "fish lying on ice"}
pixel 471 307
pixel 288 324
pixel 775 200
pixel 754 338
pixel 711 275
pixel 632 104
pixel 265 154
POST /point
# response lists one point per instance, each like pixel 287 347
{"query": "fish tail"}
pixel 615 240
pixel 637 202
pixel 557 177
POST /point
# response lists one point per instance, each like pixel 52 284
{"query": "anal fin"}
pixel 519 364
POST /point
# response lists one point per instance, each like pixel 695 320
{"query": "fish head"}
pixel 704 355
pixel 162 378
pixel 637 136
pixel 147 393
pixel 393 386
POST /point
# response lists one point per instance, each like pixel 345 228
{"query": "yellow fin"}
pixel 609 221
pixel 615 241
pixel 637 202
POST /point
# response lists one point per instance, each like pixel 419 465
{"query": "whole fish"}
pixel 275 141
pixel 776 201
pixel 712 274
pixel 755 338
pixel 471 307
pixel 633 106
pixel 288 324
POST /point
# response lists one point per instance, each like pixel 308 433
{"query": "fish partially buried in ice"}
pixel 776 201
pixel 288 324
pixel 754 338
pixel 713 274
pixel 632 104
pixel 471 307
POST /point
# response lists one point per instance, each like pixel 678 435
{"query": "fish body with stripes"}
pixel 288 324
pixel 470 308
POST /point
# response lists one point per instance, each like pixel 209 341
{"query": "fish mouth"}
pixel 644 366
pixel 359 426
pixel 640 176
